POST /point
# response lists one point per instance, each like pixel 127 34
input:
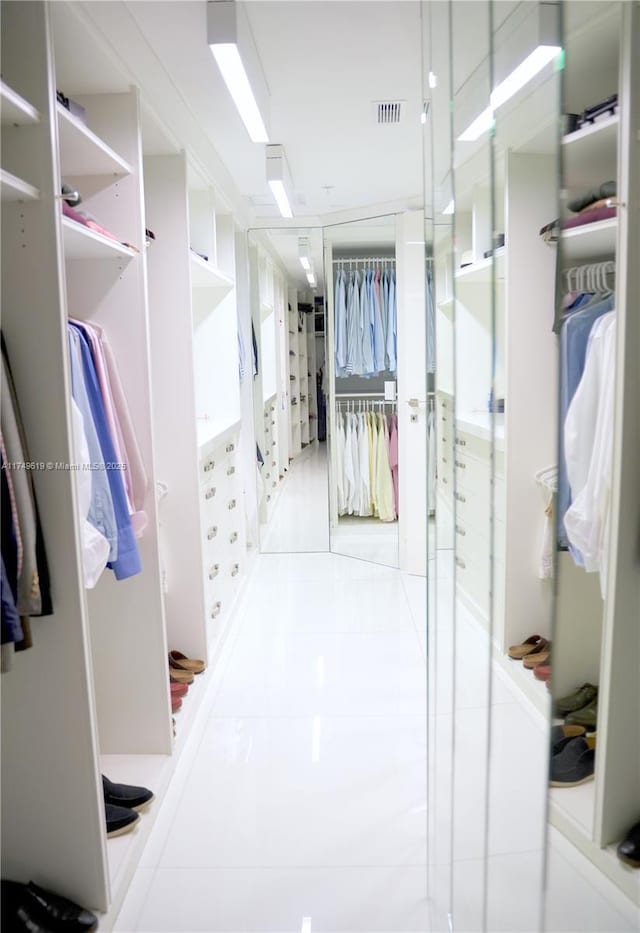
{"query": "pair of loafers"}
pixel 534 651
pixel 579 708
pixel 629 849
pixel 28 907
pixel 123 805
pixel 573 756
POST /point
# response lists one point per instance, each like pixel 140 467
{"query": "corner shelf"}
pixel 14 109
pixel 84 153
pixel 204 275
pixel 591 240
pixel 446 306
pixel 15 189
pixel 82 243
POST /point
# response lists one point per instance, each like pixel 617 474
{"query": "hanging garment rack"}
pixel 361 260
pixel 591 277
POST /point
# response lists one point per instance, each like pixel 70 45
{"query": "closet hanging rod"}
pixel 359 395
pixel 358 259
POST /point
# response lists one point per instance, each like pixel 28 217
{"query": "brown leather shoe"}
pixel 533 644
pixel 180 677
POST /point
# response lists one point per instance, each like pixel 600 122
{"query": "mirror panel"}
pixel 288 369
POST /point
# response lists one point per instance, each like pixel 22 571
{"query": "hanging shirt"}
pixel 101 512
pixel 340 322
pixel 127 563
pixel 384 482
pixel 349 474
pixel 354 347
pixel 355 458
pixel 378 329
pixel 588 435
pixel 373 452
pixel 95 547
pixel 363 460
pixel 574 338
pixel 393 460
pixel 340 464
pixel 391 347
pixel 366 325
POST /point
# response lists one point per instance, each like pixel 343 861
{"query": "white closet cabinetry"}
pixel 100 661
pixel 197 409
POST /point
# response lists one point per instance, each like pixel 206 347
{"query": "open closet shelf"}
pixel 210 431
pixel 204 275
pixel 82 243
pixel 478 423
pixel 446 305
pixel 84 153
pixel 15 189
pixel 482 270
pixel 592 241
pixel 576 805
pixel 590 154
pixel 14 109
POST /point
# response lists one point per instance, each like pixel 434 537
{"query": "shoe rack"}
pixel 597 640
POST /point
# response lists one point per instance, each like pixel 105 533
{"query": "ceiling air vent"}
pixel 388 111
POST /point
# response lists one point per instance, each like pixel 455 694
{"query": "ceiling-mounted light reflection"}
pixel 306 925
pixel 450 208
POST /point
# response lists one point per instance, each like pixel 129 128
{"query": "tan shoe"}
pixel 180 662
pixel 532 645
pixel 179 677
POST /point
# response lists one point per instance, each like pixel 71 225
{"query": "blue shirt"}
pixel 340 318
pixel 128 561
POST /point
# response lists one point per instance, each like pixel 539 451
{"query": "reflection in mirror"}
pixel 288 366
pixel 364 501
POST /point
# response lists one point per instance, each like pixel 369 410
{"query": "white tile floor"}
pixel 301 805
pixel 300 518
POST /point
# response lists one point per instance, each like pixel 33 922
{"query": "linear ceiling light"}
pixel 303 253
pixel 450 208
pixel 230 42
pixel 311 279
pixel 279 179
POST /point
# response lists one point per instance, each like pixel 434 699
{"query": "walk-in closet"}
pixel 320 453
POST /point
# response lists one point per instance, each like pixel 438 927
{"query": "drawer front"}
pixel 468 446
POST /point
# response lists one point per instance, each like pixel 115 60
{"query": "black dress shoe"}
pixel 574 765
pixel 120 820
pixel 629 848
pixel 126 795
pixel 562 735
pixel 30 907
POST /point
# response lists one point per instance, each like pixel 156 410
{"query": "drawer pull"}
pixel 268 476
pixel 231 471
pixel 273 482
pixel 213 531
pixel 461 563
pixel 461 465
pixel 214 571
pixel 233 537
pixel 460 497
pixel 460 531
pixel 230 448
pixel 460 442
pixel 273 422
pixel 269 497
pixel 235 570
pixel 444 417
pixel 209 466
pixel 210 493
pixel 444 440
pixel 232 504
pixel 445 480
pixel 273 463
pixel 273 408
pixel 444 460
pixel 216 609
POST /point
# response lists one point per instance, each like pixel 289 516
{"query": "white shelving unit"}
pixel 204 275
pixel 83 243
pixel 14 109
pixel 580 244
pixel 13 188
pixel 82 152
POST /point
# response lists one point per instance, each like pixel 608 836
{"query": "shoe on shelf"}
pixel 126 795
pixel 181 662
pixel 176 704
pixel 629 848
pixel 575 764
pixel 576 700
pixel 30 907
pixel 180 677
pixel 120 820
pixel 179 690
pixel 542 672
pixel 538 657
pixel 560 735
pixel 532 644
pixel 587 716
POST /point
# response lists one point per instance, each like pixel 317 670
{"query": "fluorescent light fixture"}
pixel 425 111
pixel 479 126
pixel 277 189
pixel 306 925
pixel 450 208
pixel 303 253
pixel 519 77
pixel 525 71
pixel 279 178
pixel 311 279
pixel 231 43
pixel 433 80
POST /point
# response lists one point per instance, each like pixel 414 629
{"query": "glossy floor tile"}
pixel 300 518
